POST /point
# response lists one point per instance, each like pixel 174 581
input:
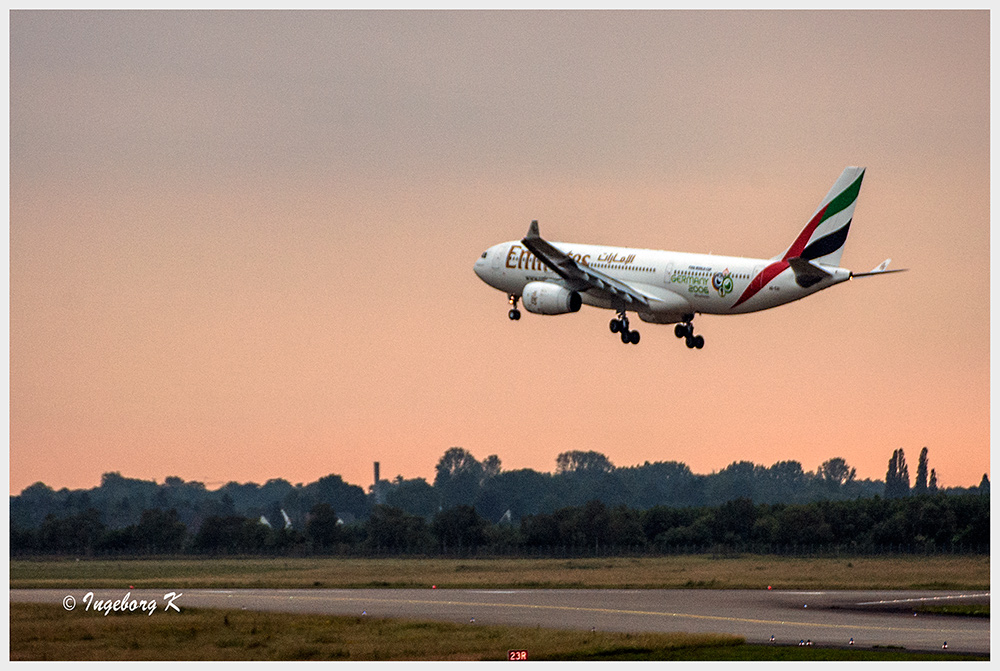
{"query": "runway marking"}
pixel 615 611
pixel 922 598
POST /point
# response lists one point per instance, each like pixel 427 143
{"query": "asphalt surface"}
pixel 829 618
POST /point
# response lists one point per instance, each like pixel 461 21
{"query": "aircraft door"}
pixel 497 253
pixel 667 274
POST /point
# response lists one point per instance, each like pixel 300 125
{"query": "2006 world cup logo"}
pixel 722 283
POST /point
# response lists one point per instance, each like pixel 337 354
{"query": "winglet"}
pixel 533 230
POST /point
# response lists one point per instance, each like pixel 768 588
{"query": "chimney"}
pixel 376 474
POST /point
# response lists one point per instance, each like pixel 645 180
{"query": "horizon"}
pixel 217 485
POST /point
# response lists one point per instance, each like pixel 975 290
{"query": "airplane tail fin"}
pixel 822 240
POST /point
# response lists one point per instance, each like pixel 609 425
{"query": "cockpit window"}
pixel 484 255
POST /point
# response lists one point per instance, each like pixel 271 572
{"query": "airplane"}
pixel 665 287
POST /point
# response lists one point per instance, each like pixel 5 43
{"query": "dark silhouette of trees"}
pixel 587 505
pixel 76 534
pixel 458 478
pixel 733 520
pixel 284 541
pixel 323 527
pixel 584 476
pixel 23 541
pixel 594 523
pixel 801 525
pixel 930 523
pixel 591 526
pixel 389 529
pixel 697 533
pixel 920 485
pixel 659 520
pixel 459 528
pixel 491 467
pixel 32 506
pixel 414 496
pixel 738 480
pixel 835 473
pixel 522 492
pixel 578 462
pixel 661 483
pixel 580 476
pixel 339 495
pixel 784 481
pixel 540 530
pixel 230 535
pixel 159 532
pixel 914 524
pixel 897 477
pixel 626 527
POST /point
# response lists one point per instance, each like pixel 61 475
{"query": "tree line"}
pixel 918 524
pixel 128 515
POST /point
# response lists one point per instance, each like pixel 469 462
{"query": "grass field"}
pixel 48 632
pixel 680 572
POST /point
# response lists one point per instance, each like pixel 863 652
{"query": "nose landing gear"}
pixel 686 331
pixel 620 325
pixel 514 313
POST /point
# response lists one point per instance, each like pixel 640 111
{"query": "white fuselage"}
pixel 678 284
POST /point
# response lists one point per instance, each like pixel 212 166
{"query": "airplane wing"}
pixel 580 277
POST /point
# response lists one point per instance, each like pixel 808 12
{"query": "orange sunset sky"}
pixel 241 244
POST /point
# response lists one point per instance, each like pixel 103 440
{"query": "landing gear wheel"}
pixel 620 325
pixel 686 330
pixel 514 313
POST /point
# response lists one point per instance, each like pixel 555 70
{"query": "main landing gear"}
pixel 686 331
pixel 514 313
pixel 620 325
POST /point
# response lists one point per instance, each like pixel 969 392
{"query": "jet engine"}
pixel 545 298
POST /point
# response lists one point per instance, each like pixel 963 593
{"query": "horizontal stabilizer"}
pixel 881 269
pixel 806 272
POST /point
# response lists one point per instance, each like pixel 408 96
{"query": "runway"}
pixel 827 618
